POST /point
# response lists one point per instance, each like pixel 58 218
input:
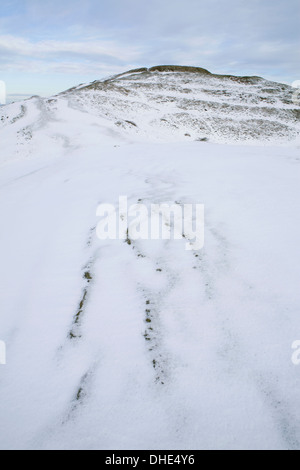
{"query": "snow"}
pixel 215 369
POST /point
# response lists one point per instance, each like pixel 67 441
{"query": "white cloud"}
pixel 100 38
pixel 14 45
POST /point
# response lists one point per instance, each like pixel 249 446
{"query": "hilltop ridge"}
pixel 164 103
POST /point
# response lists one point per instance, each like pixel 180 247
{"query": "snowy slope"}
pixel 164 104
pixel 85 366
pixel 183 103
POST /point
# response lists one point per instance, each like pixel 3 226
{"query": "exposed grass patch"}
pixel 79 394
pixel 179 68
pixel 128 241
pixel 131 123
pixel 81 305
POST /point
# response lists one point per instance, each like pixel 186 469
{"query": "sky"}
pixel 49 46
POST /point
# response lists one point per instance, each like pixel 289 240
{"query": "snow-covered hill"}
pixel 180 103
pixel 163 104
pixel 118 345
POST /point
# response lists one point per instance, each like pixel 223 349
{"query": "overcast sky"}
pixel 47 46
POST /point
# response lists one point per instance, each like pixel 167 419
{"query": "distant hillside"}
pixel 160 104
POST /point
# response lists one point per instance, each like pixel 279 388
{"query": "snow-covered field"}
pixel 112 345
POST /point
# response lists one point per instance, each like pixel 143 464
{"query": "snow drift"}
pixel 117 345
